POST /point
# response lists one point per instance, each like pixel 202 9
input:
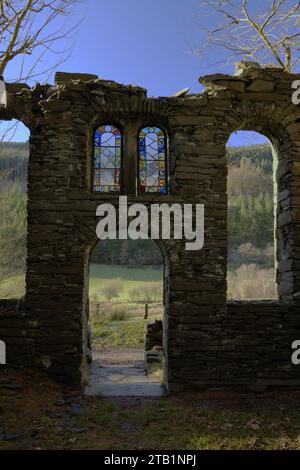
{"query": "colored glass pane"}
pixel 107 159
pixel 152 161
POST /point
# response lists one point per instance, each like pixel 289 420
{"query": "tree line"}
pixel 250 196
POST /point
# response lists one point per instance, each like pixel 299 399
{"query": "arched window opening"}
pixel 14 153
pixel 126 318
pixel 107 159
pixel 251 220
pixel 152 161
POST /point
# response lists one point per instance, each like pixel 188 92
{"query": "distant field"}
pixel 129 278
pixel 249 281
pixel 100 274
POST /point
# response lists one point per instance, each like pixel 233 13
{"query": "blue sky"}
pixel 140 42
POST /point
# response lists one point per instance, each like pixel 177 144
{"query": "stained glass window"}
pixel 153 176
pixel 107 159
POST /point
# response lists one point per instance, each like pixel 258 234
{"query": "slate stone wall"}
pixel 154 335
pixel 208 342
pixel 19 331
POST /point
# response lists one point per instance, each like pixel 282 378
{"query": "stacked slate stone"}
pixel 154 336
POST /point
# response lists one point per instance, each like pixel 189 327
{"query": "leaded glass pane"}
pixel 152 161
pixel 107 159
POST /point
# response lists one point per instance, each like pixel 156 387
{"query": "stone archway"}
pixel 274 123
pixel 164 247
pixel 252 239
pixel 127 365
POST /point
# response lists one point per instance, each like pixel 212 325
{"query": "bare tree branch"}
pixel 266 33
pixel 34 28
pixel 27 26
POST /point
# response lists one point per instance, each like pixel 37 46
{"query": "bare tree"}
pixel 33 28
pixel 268 33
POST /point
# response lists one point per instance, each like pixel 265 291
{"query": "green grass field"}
pixel 129 278
pixel 100 274
pixel 12 287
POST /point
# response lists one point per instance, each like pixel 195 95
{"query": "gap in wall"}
pixel 126 292
pixel 14 152
pixel 251 246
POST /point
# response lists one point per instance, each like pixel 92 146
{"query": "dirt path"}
pixel 121 373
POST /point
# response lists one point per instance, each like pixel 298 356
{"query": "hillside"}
pixel 13 165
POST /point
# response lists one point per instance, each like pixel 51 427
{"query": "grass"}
pixel 126 334
pixel 250 281
pixel 188 421
pixel 100 274
pixel 121 325
pixel 130 278
pixel 12 287
pixel 116 313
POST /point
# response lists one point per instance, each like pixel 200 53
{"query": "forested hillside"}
pixel 250 195
pixel 13 184
pixel 13 165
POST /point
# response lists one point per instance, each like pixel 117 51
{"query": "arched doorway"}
pixel 126 318
pixel 251 188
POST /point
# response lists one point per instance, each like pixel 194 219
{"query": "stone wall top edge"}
pixel 87 84
pixel 252 73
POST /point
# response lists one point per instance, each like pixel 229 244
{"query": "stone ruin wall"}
pixel 208 342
